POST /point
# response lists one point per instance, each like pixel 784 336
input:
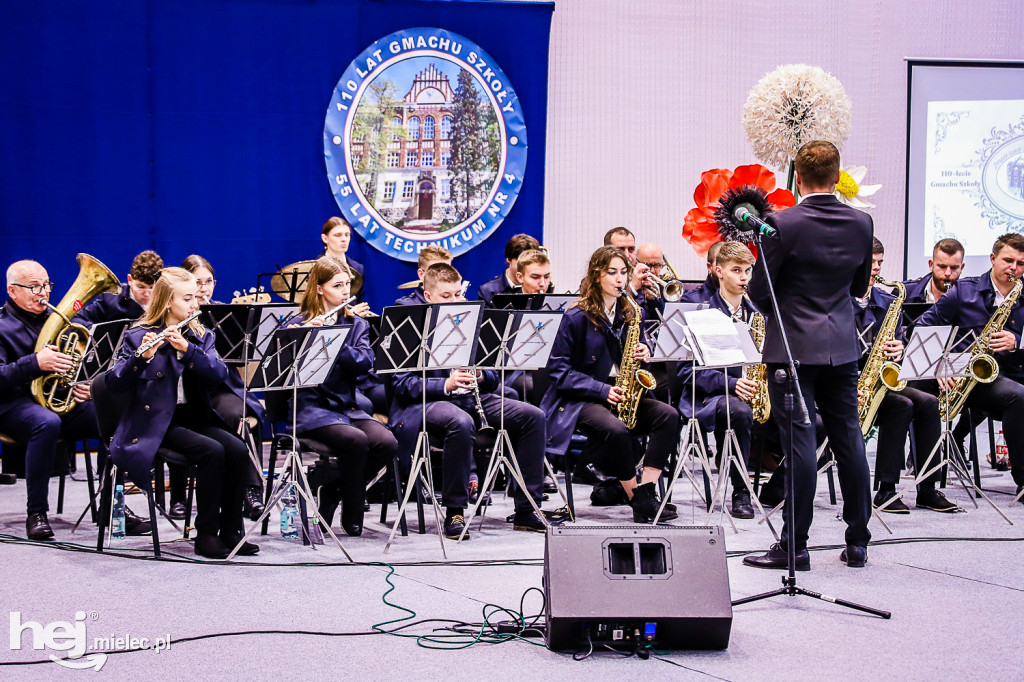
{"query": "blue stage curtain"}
pixel 196 127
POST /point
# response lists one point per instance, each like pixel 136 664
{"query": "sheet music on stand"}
pixel 929 354
pixel 453 339
pixel 719 341
pixel 532 333
pixel 271 318
pixel 232 324
pixel 102 348
pixel 671 342
pixel 298 358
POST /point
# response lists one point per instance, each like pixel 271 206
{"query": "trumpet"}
pixel 145 348
pixel 326 314
pixel 671 290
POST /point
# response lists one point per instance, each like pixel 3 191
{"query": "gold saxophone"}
pixel 760 403
pixel 632 379
pixel 982 367
pixel 880 375
pixel 53 390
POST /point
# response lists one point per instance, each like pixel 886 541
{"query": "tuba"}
pixel 760 404
pixel 982 367
pixel 53 390
pixel 880 375
pixel 632 379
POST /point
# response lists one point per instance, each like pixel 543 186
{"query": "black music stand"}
pixel 930 355
pixel 301 357
pixel 555 302
pixel 100 353
pixel 290 283
pixel 520 340
pixel 418 338
pixel 672 344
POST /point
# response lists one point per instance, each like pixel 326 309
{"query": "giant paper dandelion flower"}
pixel 793 105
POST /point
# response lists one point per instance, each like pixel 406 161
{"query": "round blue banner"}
pixel 425 143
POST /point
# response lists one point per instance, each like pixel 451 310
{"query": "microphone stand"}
pixel 793 397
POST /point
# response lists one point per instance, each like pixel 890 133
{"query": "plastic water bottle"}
pixel 289 514
pixel 117 521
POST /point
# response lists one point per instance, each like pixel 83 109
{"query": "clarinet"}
pixel 484 426
pixel 144 348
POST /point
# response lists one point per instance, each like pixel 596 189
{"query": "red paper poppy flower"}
pixel 700 228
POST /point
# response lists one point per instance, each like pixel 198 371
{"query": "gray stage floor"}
pixel 954 584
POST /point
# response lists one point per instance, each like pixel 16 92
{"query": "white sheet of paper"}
pixel 716 337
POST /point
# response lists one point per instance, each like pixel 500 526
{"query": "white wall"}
pixel 644 95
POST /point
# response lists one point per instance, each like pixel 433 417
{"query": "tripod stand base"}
pixel 791 589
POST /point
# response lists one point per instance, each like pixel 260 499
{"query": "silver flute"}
pixel 144 348
pixel 324 315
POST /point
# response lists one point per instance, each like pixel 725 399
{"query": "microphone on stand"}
pixel 748 221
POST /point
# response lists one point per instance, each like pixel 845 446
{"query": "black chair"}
pixel 278 414
pixel 109 407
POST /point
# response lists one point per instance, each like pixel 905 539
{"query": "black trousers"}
pixel 454 423
pixel 356 445
pixel 38 429
pixel 741 418
pixel 611 441
pixel 1003 399
pixel 832 392
pixel 899 412
pixel 220 459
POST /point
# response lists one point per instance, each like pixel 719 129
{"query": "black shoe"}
pixel 229 540
pixel 253 505
pixel 854 556
pixel 894 507
pixel 587 474
pixel 211 547
pixel 770 496
pixel 777 556
pixel 645 505
pixel 549 485
pixel 37 527
pixel 454 525
pixel 741 507
pixel 135 524
pixel 177 511
pixel 934 499
pixel 528 520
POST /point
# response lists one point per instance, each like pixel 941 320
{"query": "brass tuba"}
pixel 53 390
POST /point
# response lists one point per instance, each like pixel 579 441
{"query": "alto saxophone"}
pixel 880 375
pixel 632 379
pixel 760 403
pixel 982 367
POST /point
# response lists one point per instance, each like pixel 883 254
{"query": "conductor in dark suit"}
pixel 822 256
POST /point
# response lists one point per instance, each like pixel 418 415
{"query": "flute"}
pixel 144 348
pixel 325 315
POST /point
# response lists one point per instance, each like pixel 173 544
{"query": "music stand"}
pixel 554 302
pixel 673 344
pixel 99 355
pixel 520 340
pixel 300 357
pixel 287 282
pixel 930 355
pixel 234 326
pixel 428 337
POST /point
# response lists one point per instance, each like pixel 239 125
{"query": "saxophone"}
pixel 982 367
pixel 880 375
pixel 632 379
pixel 759 404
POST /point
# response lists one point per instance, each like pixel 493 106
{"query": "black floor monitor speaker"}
pixel 634 586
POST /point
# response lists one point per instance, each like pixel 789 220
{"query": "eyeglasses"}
pixel 654 266
pixel 206 283
pixel 37 288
